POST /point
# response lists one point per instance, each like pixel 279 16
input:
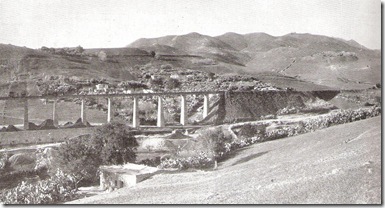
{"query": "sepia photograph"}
pixel 231 102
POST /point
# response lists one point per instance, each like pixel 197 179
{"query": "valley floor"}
pixel 337 165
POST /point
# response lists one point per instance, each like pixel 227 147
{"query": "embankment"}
pixel 40 136
pixel 242 106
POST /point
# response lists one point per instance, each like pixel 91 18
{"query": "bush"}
pixel 157 82
pixel 200 161
pixel 249 130
pixel 210 146
pixel 59 188
pixel 214 144
pixel 11 179
pixel 166 66
pixel 112 143
pixel 151 162
pixel 334 118
pixel 172 83
pixel 287 111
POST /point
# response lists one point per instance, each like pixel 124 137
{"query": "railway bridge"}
pixel 110 97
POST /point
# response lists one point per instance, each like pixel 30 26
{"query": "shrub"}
pixel 59 188
pixel 214 144
pixel 334 118
pixel 287 111
pixel 210 146
pixel 157 82
pixel 151 162
pixel 249 130
pixel 11 179
pixel 172 83
pixel 112 143
pixel 166 66
pixel 201 161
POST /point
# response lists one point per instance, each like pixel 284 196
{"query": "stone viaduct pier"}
pixel 110 97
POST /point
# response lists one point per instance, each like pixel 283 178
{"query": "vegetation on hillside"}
pixel 112 143
pixel 217 143
pixel 76 164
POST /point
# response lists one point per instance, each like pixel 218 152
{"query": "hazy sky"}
pixel 116 23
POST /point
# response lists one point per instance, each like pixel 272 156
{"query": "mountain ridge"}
pixel 315 59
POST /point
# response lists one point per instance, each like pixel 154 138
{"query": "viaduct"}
pixel 110 97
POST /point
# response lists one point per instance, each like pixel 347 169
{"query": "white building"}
pixel 175 76
pixel 101 87
pixel 127 175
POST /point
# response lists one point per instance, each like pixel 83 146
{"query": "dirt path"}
pixel 318 167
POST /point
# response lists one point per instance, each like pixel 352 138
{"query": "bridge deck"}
pixel 114 95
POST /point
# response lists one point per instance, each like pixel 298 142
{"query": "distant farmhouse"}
pixel 101 87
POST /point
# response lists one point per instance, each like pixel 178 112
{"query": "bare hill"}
pixel 164 50
pixel 197 44
pixel 16 61
pixel 321 60
pixel 316 59
pixel 300 61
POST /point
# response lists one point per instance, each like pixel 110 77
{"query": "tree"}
pixel 211 75
pixel 110 144
pixel 172 83
pixel 79 50
pixel 116 143
pixel 156 82
pixel 45 49
pixel 152 53
pixel 79 158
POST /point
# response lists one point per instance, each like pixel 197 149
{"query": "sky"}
pixel 116 23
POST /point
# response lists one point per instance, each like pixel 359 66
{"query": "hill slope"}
pixel 317 59
pixel 341 164
pixel 197 44
pixel 322 60
pixel 301 61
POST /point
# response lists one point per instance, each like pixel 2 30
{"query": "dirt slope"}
pixel 341 164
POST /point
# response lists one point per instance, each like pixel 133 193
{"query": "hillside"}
pixel 337 165
pixel 316 59
pixel 321 60
pixel 299 61
pixel 197 44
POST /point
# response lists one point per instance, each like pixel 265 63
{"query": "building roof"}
pixel 129 168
